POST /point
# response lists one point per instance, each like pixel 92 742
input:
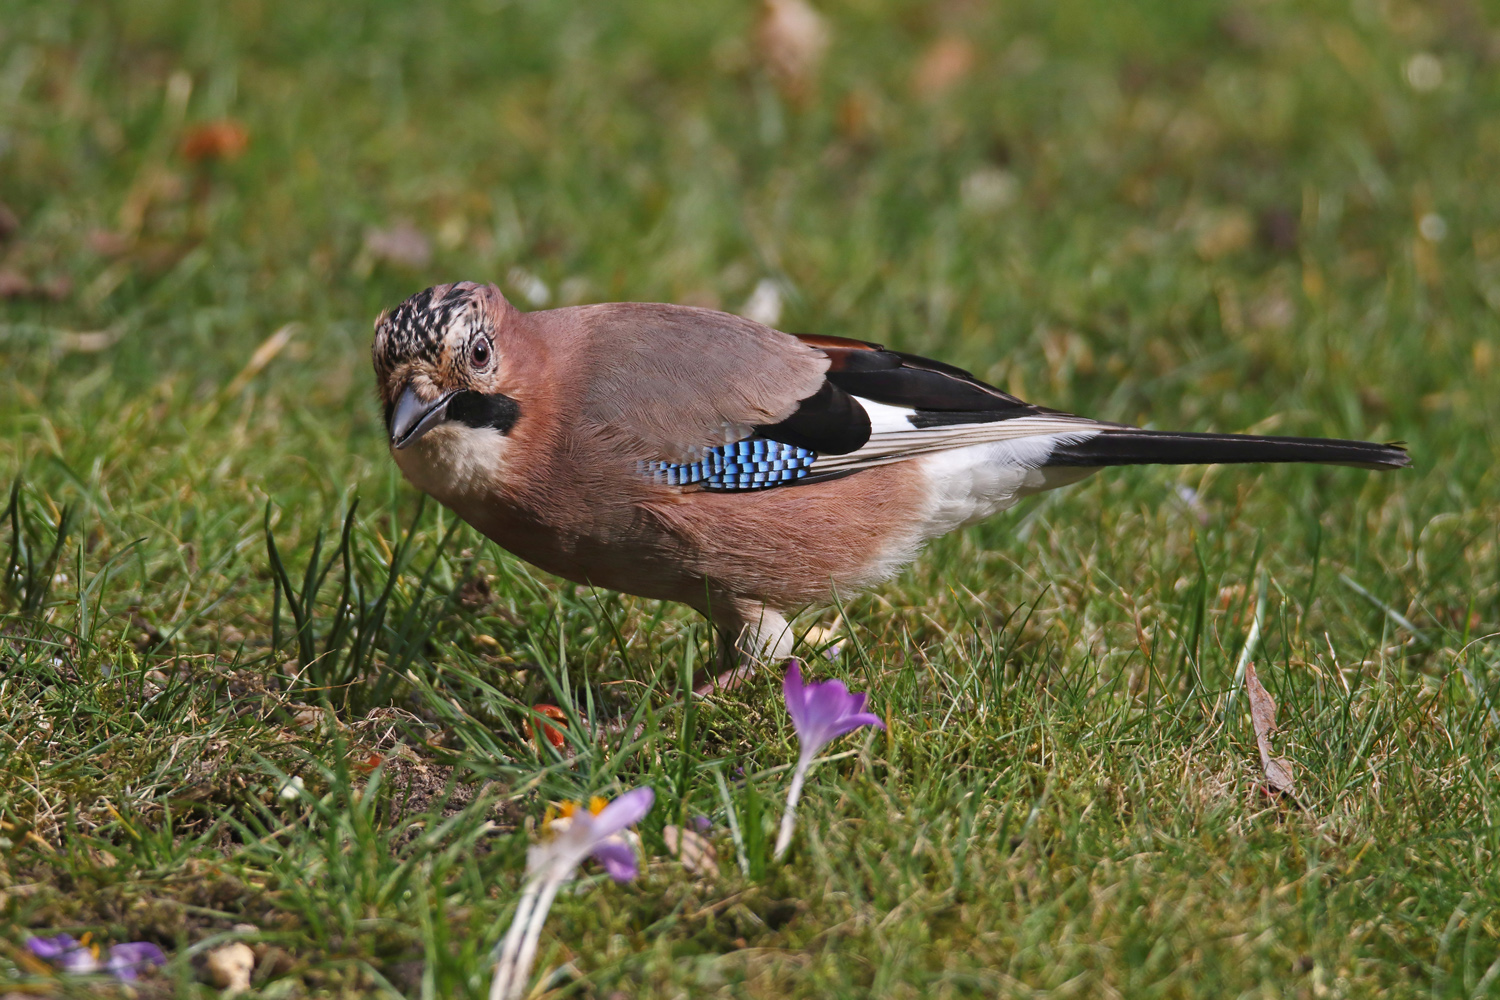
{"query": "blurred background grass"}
pixel 1256 215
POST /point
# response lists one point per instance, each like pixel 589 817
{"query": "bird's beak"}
pixel 412 417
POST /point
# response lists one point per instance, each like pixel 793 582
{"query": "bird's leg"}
pixel 751 635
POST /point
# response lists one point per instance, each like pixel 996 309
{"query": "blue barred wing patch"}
pixel 752 464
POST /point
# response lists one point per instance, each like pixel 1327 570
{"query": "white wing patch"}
pixel 894 438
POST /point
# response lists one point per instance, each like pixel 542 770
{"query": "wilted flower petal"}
pixel 127 960
pixel 49 949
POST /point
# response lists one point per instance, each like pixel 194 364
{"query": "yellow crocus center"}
pixel 567 808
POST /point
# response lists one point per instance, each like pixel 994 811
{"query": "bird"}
pixel 684 454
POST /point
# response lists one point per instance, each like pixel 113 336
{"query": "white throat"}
pixel 454 460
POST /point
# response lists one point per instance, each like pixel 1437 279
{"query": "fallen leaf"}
pixel 946 62
pixel 14 285
pixel 692 849
pixel 368 763
pixel 9 222
pixel 792 40
pixel 402 244
pixel 1224 233
pixel 1263 716
pixel 554 736
pixel 229 966
pixel 225 139
pixel 107 243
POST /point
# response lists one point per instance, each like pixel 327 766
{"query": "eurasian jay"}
pixel 690 455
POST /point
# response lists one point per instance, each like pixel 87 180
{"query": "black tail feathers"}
pixel 1129 446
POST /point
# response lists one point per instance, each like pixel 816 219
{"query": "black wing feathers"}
pixel 1130 446
pixel 831 423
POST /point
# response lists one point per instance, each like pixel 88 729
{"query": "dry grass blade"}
pixel 1263 715
pixel 264 355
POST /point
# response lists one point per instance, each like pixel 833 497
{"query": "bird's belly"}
pixel 635 557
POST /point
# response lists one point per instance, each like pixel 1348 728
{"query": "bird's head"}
pixel 440 358
pixel 441 368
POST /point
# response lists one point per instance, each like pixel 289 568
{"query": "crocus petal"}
pixel 79 961
pixel 849 723
pixel 127 960
pixel 50 949
pixel 617 858
pixel 793 693
pixel 624 811
pixel 823 712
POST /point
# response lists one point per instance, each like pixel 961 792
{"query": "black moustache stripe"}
pixel 478 409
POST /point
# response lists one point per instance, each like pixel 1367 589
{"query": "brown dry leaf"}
pixel 793 38
pixel 402 244
pixel 693 850
pixel 15 285
pixel 107 243
pixel 1224 233
pixel 946 62
pixel 1263 716
pixel 9 222
pixel 225 139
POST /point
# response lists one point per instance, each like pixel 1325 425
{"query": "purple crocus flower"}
pixel 59 950
pixel 821 713
pixel 596 831
pixel 125 961
pixel 592 831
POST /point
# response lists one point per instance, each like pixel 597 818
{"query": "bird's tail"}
pixel 1131 446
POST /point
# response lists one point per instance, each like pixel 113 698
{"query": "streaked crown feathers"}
pixel 421 328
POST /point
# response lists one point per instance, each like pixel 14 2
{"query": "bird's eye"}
pixel 479 354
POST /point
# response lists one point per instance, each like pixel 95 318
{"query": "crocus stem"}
pixel 510 946
pixel 522 970
pixel 789 817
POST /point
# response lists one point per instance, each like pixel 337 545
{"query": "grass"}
pixel 1264 215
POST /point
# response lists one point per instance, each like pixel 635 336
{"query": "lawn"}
pixel 252 689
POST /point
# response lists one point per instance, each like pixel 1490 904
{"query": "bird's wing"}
pixel 854 405
pixel 916 406
pixel 879 406
pixel 873 407
pixel 674 382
